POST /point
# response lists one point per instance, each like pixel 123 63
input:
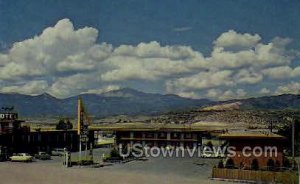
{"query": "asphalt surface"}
pixel 152 171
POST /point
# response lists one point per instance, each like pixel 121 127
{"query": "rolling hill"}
pixel 124 101
pixel 128 101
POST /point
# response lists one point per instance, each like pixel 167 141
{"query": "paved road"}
pixel 153 171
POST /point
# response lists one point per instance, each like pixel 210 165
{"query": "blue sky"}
pixel 170 46
pixel 135 21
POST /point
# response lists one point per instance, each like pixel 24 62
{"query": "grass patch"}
pixel 84 160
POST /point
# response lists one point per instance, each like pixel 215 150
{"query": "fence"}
pixel 287 177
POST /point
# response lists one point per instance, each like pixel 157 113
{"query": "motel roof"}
pixel 157 127
pixel 251 135
pixel 141 126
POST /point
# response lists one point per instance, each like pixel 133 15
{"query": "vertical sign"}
pixel 82 128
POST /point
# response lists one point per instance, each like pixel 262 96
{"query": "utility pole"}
pixel 291 119
pixel 271 125
pixel 79 151
pixel 293 141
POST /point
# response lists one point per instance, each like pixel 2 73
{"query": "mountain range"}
pixel 128 101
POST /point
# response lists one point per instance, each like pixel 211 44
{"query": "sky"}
pixel 194 48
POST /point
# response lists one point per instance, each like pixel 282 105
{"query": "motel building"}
pixel 15 138
pixel 164 135
pixel 255 150
pixel 9 122
pixel 257 157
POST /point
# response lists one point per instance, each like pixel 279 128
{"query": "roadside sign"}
pixel 83 131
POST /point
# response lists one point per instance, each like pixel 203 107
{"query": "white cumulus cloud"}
pixel 282 72
pixel 30 88
pixel 264 91
pixel 65 61
pixel 226 95
pixel 291 88
pixel 202 80
pixel 57 48
pixel 234 39
pixel 104 89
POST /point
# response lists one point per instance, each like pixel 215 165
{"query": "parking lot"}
pixel 153 170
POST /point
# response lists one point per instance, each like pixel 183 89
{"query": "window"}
pixel 162 135
pixel 175 135
pixel 149 135
pixel 188 135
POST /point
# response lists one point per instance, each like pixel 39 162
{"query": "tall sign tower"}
pixel 82 129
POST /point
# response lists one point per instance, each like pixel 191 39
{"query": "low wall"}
pixel 250 175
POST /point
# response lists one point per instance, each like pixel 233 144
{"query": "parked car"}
pixel 21 157
pixel 42 156
pixel 3 157
pixel 58 152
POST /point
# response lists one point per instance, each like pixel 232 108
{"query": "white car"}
pixel 58 152
pixel 21 157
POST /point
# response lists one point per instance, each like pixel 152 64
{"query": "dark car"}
pixel 3 157
pixel 42 156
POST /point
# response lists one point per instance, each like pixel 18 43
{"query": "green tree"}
pixel 64 124
pixel 69 124
pixel 286 131
pixel 61 125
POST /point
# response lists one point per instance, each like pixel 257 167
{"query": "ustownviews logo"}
pixel 138 150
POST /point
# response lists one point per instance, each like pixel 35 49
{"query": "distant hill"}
pixel 285 101
pixel 124 101
pixel 128 101
pixel 223 107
